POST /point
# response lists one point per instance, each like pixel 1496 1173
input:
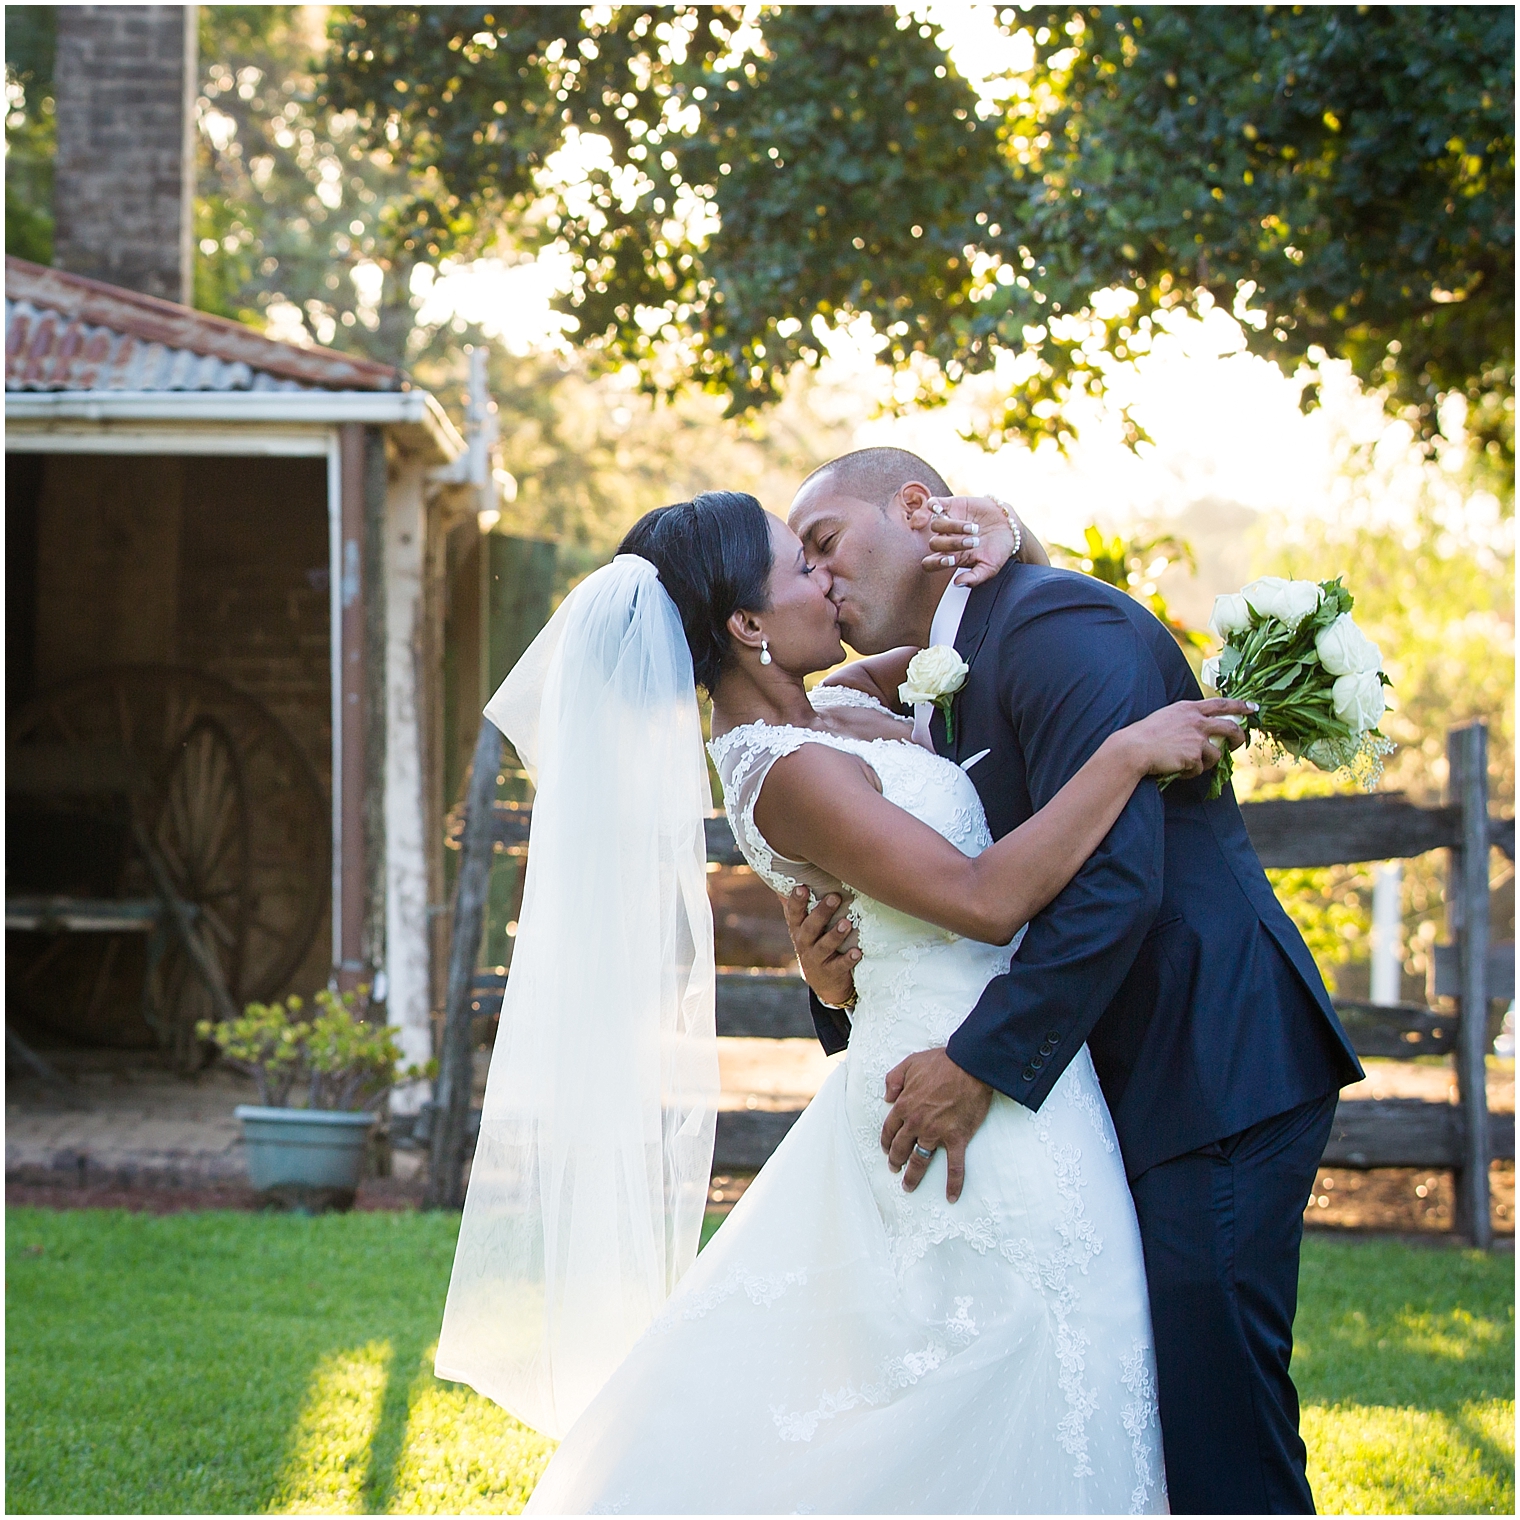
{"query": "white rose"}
pixel 1289 602
pixel 1358 700
pixel 932 674
pixel 1210 674
pixel 1344 650
pixel 1230 615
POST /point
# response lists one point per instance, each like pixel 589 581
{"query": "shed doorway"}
pixel 168 700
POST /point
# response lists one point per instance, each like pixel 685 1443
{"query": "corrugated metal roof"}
pixel 64 332
pixel 47 351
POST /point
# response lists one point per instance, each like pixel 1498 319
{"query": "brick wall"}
pixel 124 173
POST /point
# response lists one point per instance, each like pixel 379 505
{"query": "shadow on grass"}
pixel 175 1364
pixel 1405 1362
pixel 409 1370
pixel 1381 1323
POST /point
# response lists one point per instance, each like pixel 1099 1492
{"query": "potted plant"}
pixel 310 1157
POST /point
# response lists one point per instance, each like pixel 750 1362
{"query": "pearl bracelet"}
pixel 1013 524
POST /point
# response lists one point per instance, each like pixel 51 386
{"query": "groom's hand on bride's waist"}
pixel 935 1106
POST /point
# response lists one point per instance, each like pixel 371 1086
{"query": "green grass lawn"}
pixel 244 1363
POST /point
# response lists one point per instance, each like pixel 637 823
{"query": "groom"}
pixel 1211 1031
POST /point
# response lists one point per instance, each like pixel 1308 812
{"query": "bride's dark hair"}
pixel 713 554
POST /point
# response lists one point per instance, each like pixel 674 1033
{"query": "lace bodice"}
pixel 893 944
pixel 916 779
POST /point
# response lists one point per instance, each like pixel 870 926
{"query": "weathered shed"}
pixel 228 566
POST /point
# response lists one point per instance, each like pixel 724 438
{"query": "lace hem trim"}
pixel 897 1373
pixel 762 1290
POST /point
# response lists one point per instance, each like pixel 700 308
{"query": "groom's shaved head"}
pixel 875 475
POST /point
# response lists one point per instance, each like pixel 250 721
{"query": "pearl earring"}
pixel 765 651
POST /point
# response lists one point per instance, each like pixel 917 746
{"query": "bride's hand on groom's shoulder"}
pixel 978 535
pixel 823 945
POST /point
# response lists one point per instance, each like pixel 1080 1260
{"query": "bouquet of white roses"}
pixel 1293 648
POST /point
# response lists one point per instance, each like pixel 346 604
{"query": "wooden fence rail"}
pixel 1318 831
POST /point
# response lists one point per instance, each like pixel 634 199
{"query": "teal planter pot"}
pixel 305 1158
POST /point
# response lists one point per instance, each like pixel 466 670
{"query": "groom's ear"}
pixel 914 500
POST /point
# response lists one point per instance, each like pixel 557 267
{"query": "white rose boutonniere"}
pixel 935 675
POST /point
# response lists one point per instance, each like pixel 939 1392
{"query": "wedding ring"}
pixel 918 1150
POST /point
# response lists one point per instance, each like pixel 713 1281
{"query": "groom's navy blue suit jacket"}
pixel 1168 952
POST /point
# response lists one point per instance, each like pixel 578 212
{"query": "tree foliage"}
pixel 1346 172
pixel 1341 178
pixel 30 131
pixel 291 222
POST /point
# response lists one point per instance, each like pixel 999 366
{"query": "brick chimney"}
pixel 124 176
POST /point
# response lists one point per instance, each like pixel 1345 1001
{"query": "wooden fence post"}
pixel 1467 919
pixel 450 1133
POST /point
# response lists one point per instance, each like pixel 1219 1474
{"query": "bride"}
pixel 842 1345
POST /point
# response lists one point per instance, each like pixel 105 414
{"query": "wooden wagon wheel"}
pixel 170 750
pixel 202 836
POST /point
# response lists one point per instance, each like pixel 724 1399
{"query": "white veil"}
pixel 591 1172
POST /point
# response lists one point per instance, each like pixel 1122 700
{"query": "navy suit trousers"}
pixel 1221 1227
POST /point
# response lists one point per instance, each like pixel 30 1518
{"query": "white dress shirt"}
pixel 944 628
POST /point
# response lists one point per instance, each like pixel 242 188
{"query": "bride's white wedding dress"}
pixel 843 1346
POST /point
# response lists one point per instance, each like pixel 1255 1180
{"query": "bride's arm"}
pixel 824 805
pixel 878 676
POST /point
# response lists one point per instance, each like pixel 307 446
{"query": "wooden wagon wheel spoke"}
pixel 46 959
pixel 208 846
pixel 102 977
pixel 218 926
